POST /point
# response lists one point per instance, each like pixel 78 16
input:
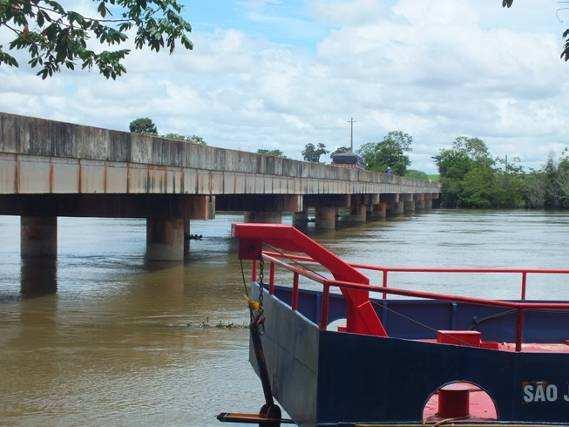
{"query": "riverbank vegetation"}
pixel 472 178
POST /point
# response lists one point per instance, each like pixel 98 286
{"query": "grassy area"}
pixel 416 174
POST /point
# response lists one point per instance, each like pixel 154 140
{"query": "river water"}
pixel 124 342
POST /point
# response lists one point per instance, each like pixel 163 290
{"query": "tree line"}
pixel 472 178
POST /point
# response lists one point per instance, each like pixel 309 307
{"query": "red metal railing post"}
pixel 294 302
pixel 384 279
pixel 254 271
pixel 272 278
pixel 519 329
pixel 325 307
pixel 524 283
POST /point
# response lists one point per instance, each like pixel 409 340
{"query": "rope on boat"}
pixel 447 421
pixel 256 327
pixel 476 322
pixel 418 323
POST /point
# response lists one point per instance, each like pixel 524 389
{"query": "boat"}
pixel 403 357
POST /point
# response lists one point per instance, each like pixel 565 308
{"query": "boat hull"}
pixel 331 378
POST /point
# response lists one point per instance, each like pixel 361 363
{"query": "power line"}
pixel 351 122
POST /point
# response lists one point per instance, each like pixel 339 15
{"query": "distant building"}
pixel 347 159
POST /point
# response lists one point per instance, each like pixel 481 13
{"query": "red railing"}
pixel 524 272
pixel 275 259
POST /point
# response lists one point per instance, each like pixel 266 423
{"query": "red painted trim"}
pixel 386 269
pixel 361 316
pixel 417 269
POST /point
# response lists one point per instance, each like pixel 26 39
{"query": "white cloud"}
pixel 434 68
pixel 353 12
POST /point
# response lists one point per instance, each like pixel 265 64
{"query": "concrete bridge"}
pixel 50 169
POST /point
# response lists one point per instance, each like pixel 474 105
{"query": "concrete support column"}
pixel 326 217
pixel 409 204
pixel 165 239
pixel 371 212
pixel 395 204
pixel 380 210
pixel 396 207
pixel 419 201
pixel 300 219
pixel 359 213
pixel 264 217
pixel 38 250
pixel 38 237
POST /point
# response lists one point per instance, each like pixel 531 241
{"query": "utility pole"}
pixel 351 122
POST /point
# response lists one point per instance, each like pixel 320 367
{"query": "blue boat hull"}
pixel 331 378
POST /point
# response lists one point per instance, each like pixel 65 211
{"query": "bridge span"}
pixel 50 169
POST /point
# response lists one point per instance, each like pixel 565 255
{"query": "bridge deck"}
pixel 40 156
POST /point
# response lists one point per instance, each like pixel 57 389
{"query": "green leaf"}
pixel 102 9
pixel 61 36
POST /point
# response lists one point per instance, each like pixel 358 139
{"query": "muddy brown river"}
pixel 125 342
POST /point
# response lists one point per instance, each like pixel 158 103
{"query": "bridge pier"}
pixel 358 209
pixel 300 219
pixel 264 217
pixel 408 203
pixel 372 206
pixel 326 217
pixel 399 208
pixel 380 210
pixel 38 236
pixel 394 204
pixel 358 213
pixel 419 201
pixel 38 250
pixel 165 239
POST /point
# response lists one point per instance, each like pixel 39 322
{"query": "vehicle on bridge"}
pixel 428 358
pixel 347 159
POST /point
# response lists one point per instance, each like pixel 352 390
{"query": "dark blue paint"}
pixel 370 379
pixel 495 324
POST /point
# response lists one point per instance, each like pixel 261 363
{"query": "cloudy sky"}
pixel 282 73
